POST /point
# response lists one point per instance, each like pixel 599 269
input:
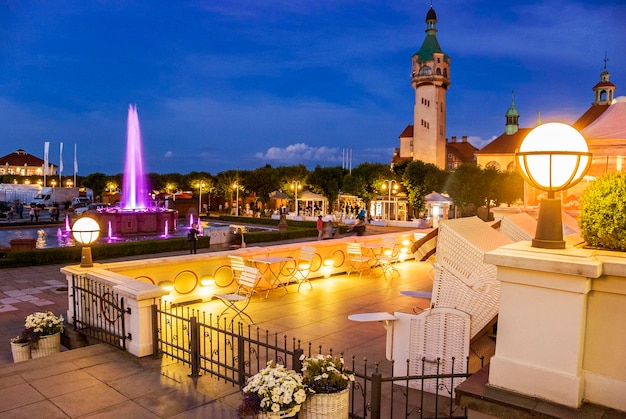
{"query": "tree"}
pixel 327 181
pixel 465 187
pixel 421 179
pixel 263 181
pixel 510 187
pixel 97 182
pixel 366 179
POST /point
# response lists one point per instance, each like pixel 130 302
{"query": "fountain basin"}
pixel 138 222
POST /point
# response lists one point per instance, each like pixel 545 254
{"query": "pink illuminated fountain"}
pixel 137 214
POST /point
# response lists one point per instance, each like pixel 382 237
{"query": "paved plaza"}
pixel 100 381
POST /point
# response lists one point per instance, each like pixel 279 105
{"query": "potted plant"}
pixel 327 383
pixel 43 331
pixel 273 392
pixel 20 346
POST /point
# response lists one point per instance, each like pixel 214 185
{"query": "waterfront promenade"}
pixel 100 381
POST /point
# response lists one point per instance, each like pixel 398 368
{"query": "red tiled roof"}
pixel 408 132
pixel 505 144
pixel 464 150
pixel 21 158
pixel 590 115
pixel 604 84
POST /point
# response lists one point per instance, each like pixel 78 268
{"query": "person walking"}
pixel 192 238
pixel 320 227
pixel 31 212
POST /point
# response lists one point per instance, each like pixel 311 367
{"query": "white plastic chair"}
pixel 356 261
pixel 247 284
pixel 304 265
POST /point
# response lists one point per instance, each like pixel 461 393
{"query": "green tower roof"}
pixel 430 45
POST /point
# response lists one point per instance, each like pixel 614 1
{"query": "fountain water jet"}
pixel 134 186
pixel 136 215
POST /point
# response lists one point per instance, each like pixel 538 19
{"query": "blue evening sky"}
pixel 237 84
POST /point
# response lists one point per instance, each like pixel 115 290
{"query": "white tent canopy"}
pixel 309 199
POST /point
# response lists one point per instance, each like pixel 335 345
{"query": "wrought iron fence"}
pixel 233 354
pixel 99 312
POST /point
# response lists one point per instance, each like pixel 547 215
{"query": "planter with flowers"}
pixel 41 336
pixel 273 392
pixel 327 386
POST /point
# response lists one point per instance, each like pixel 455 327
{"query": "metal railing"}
pixel 206 344
pixel 99 312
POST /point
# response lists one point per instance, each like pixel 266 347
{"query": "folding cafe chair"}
pixel 304 265
pixel 357 261
pixel 247 284
pixel 388 256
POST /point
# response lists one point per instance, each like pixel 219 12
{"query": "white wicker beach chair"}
pixel 436 341
pixel 518 227
pixel 462 280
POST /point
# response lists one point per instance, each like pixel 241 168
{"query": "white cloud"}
pixel 169 154
pixel 301 152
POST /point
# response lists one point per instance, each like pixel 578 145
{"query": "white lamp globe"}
pixel 553 156
pixel 86 230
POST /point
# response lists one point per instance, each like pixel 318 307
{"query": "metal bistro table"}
pixel 372 250
pixel 273 266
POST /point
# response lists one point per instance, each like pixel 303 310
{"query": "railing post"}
pixel 156 349
pixel 296 362
pixel 241 360
pixel 194 343
pixel 376 395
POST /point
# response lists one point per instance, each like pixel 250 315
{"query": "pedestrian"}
pixel 20 210
pixel 320 227
pixel 31 212
pixel 36 214
pixel 192 238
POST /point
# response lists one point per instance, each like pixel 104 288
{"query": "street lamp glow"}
pixel 86 231
pixel 552 157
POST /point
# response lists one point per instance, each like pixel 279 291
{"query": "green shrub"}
pixel 602 215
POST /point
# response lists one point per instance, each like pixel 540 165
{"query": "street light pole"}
pixel 200 185
pixel 295 185
pixel 388 184
pixel 236 186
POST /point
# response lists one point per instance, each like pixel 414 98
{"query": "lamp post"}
pixel 86 231
pixel 236 186
pixel 295 185
pixel 389 184
pixel 552 157
pixel 200 186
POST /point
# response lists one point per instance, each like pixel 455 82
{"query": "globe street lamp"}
pixel 389 185
pixel 552 157
pixel 86 231
pixel 295 185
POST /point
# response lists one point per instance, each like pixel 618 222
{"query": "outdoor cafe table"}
pixel 273 267
pixel 372 250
